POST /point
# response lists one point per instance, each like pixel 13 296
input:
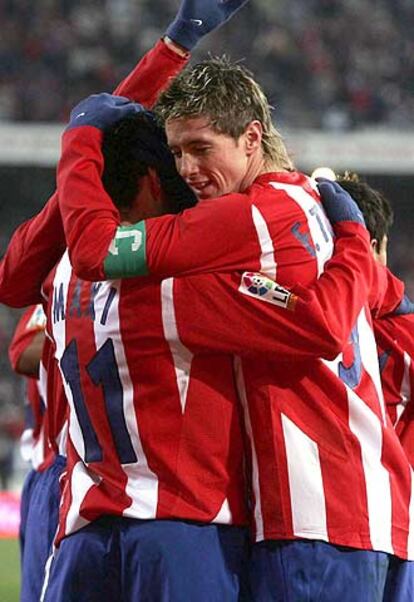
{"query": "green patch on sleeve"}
pixel 127 254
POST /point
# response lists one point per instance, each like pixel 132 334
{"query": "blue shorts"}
pixel 399 586
pixel 41 511
pixel 303 571
pixel 115 559
pixel 26 494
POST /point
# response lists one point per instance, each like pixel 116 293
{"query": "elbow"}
pixel 87 268
pixel 334 343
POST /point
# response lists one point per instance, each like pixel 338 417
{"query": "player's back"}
pixel 394 334
pixel 154 430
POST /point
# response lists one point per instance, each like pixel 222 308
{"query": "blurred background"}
pixel 339 73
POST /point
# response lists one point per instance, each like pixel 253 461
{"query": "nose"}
pixel 187 166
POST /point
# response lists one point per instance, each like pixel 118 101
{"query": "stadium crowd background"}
pixel 329 64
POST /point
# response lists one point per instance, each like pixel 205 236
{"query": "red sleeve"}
pixel 34 249
pixel 152 75
pixel 90 218
pixel 235 314
pixel 207 235
pixel 386 293
pixel 31 322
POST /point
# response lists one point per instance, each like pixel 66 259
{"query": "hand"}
pixel 196 18
pixel 338 203
pixel 102 111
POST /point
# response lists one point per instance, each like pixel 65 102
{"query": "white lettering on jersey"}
pixel 319 226
pixel 136 235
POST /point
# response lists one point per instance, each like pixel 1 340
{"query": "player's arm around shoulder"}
pixel 215 235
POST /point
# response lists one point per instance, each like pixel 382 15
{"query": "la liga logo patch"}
pixel 261 287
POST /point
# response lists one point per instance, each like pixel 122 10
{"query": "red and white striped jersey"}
pixel 124 338
pixel 326 462
pixel 154 429
pixel 33 444
pixel 395 342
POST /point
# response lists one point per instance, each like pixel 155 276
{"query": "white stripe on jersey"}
pixel 318 224
pixel 80 483
pixel 224 515
pixel 405 390
pixel 182 357
pixel 410 543
pixel 38 451
pixel 42 383
pixel 27 445
pixel 62 439
pixel 241 388
pixel 369 358
pixel 305 482
pixel 367 427
pixel 268 263
pixel 61 283
pixel 142 484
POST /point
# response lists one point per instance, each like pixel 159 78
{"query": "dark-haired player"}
pixel 38 244
pixel 394 334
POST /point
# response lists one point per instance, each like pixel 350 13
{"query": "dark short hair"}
pixel 374 205
pixel 124 166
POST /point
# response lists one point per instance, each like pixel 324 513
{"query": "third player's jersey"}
pixel 394 334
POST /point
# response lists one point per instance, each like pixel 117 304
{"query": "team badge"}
pixel 263 288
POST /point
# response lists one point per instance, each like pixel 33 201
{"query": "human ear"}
pixel 253 136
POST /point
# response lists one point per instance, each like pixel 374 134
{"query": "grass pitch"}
pixel 9 570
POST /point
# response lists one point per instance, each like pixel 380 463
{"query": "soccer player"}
pixel 331 483
pixel 394 334
pixel 33 251
pixel 38 244
pixel 40 495
pixel 162 62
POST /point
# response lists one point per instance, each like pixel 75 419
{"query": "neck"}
pixel 259 166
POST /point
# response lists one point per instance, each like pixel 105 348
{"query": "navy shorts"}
pixel 115 559
pixel 26 494
pixel 40 520
pixel 303 571
pixel 399 586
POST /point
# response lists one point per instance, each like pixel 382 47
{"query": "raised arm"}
pixel 33 251
pixel 38 243
pixel 194 20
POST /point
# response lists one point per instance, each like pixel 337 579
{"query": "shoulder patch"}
pixel 263 288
